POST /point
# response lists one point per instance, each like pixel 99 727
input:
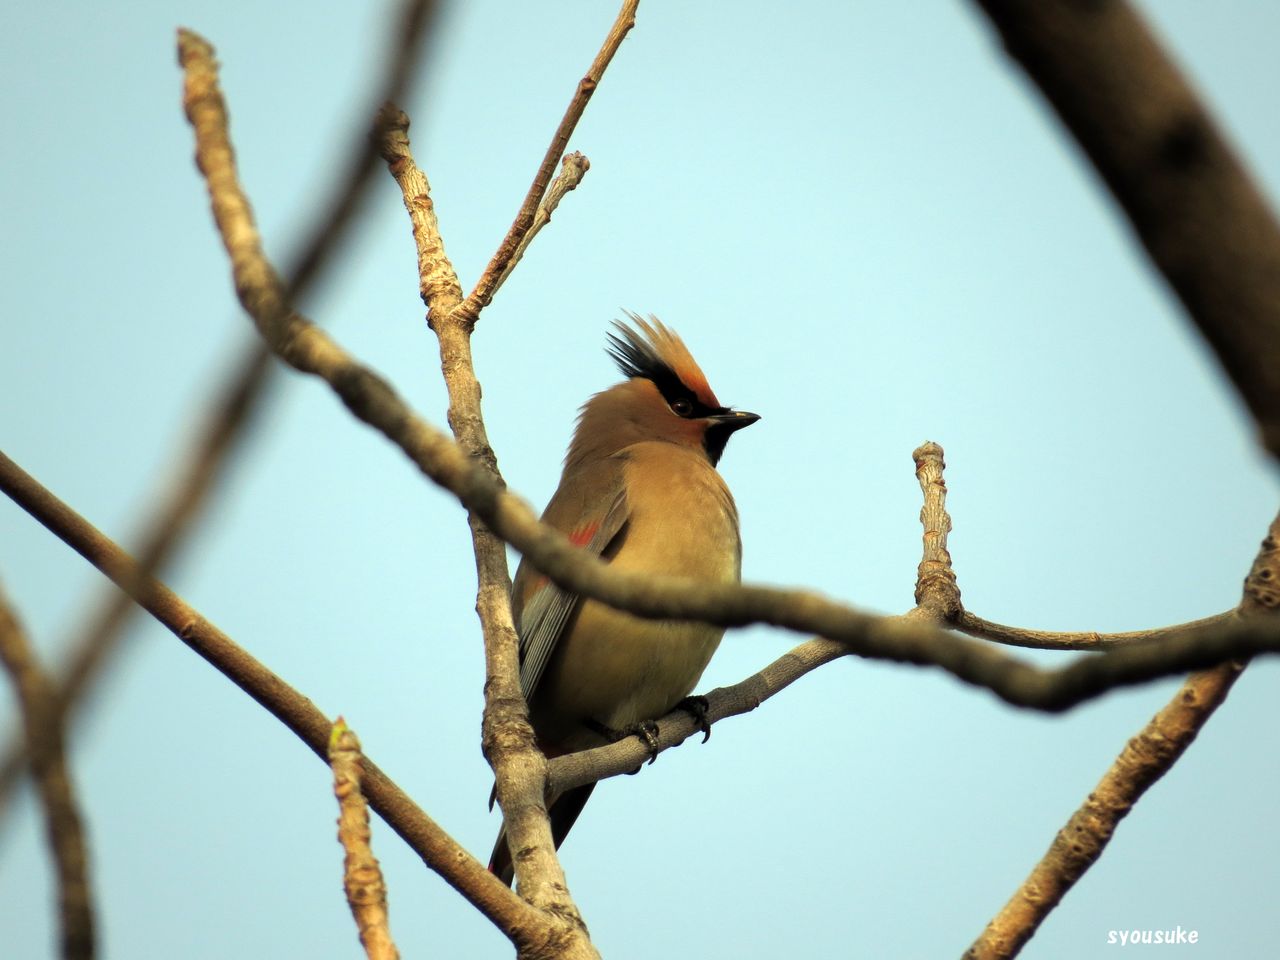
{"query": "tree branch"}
pixel 938 595
pixel 588 766
pixel 572 169
pixel 1144 760
pixel 1202 219
pixel 975 626
pixel 308 349
pixel 495 272
pixel 361 876
pixel 506 737
pixel 438 850
pixel 233 405
pixel 42 725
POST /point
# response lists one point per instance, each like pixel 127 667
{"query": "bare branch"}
pixel 374 401
pixel 437 280
pixel 96 645
pixel 474 480
pixel 300 343
pixel 361 875
pixel 975 626
pixel 1190 199
pixel 438 850
pixel 482 294
pixel 506 737
pixel 572 169
pixel 1144 760
pixel 234 403
pixel 936 589
pixel 588 766
pixel 938 596
pixel 42 725
pixel 1079 844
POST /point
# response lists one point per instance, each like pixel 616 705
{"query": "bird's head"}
pixel 665 397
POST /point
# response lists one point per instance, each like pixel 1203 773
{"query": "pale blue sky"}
pixel 870 231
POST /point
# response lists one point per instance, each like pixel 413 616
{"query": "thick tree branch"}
pixel 42 726
pixel 496 271
pixel 1144 760
pixel 1190 199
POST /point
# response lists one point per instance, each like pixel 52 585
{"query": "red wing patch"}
pixel 583 534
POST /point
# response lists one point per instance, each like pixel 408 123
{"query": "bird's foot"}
pixel 697 706
pixel 646 730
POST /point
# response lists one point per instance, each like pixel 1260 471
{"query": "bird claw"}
pixel 647 731
pixel 697 706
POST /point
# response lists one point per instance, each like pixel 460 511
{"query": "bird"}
pixel 640 490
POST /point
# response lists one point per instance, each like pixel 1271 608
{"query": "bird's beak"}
pixel 735 419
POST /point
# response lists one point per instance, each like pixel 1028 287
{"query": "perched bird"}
pixel 639 489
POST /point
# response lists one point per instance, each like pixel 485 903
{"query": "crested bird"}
pixel 640 490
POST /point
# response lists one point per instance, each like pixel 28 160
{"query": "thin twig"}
pixel 572 169
pixel 975 626
pixel 42 725
pixel 1144 760
pixel 361 876
pixel 482 294
pixel 587 766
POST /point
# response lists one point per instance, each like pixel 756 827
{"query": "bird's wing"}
pixel 543 616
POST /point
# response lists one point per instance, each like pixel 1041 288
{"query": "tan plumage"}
pixel 640 489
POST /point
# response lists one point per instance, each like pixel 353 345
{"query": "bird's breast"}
pixel 617 669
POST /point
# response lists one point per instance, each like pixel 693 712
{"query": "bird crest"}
pixel 650 350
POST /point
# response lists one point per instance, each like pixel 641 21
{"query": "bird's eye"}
pixel 681 407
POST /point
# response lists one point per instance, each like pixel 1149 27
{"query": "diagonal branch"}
pixel 1192 203
pixel 572 169
pixel 1144 760
pixel 42 726
pixel 494 273
pixel 234 403
pixel 438 850
pixel 625 756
